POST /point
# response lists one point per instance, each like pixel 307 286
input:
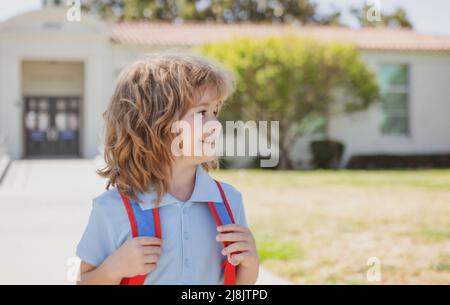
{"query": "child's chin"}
pixel 203 159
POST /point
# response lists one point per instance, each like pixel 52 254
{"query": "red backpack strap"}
pixel 222 214
pixel 130 213
pixel 135 232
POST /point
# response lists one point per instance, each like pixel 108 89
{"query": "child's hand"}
pixel 242 247
pixel 137 256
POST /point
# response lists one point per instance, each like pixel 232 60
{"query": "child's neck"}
pixel 182 181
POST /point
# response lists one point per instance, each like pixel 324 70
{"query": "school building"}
pixel 57 76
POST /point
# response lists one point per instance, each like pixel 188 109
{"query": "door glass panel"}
pixel 51 126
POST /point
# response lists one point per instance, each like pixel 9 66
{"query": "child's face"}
pixel 203 129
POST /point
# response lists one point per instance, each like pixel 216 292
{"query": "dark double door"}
pixel 51 126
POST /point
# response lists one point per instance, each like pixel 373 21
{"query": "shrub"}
pixel 327 153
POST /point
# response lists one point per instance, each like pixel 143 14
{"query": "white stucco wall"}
pixel 429 110
pixel 46 35
pixel 429 105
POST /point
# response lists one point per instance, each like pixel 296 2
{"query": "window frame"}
pixel 395 89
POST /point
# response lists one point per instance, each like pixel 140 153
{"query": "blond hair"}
pixel 150 95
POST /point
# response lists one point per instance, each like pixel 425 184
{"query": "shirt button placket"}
pixel 185 237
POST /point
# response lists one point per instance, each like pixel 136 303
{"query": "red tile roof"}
pixel 189 34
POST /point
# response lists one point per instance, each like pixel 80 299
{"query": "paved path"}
pixel 44 205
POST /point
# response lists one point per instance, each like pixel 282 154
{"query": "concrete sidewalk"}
pixel 268 278
pixel 44 205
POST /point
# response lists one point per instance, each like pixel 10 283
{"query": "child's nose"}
pixel 210 126
pixel 210 117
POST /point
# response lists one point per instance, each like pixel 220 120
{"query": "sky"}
pixel 427 16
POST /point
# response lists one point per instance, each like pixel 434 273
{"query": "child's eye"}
pixel 216 113
pixel 202 112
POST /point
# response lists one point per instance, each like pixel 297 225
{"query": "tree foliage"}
pixel 291 79
pixel 397 19
pixel 285 11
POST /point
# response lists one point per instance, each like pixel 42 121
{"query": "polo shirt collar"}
pixel 205 190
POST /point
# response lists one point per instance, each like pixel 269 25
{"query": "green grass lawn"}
pixel 323 226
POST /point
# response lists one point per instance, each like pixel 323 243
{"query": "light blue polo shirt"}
pixel 190 253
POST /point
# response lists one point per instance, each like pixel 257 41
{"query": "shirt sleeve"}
pixel 241 217
pixel 97 241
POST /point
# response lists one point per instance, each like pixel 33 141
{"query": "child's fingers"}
pixel 148 241
pixel 147 268
pixel 232 228
pixel 232 237
pixel 151 249
pixel 151 258
pixel 238 258
pixel 232 261
pixel 234 247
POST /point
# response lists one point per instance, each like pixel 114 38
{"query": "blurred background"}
pixel 361 192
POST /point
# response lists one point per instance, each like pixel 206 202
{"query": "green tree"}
pixel 293 80
pixel 285 11
pixel 397 19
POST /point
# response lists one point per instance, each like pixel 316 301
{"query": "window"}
pixel 393 80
